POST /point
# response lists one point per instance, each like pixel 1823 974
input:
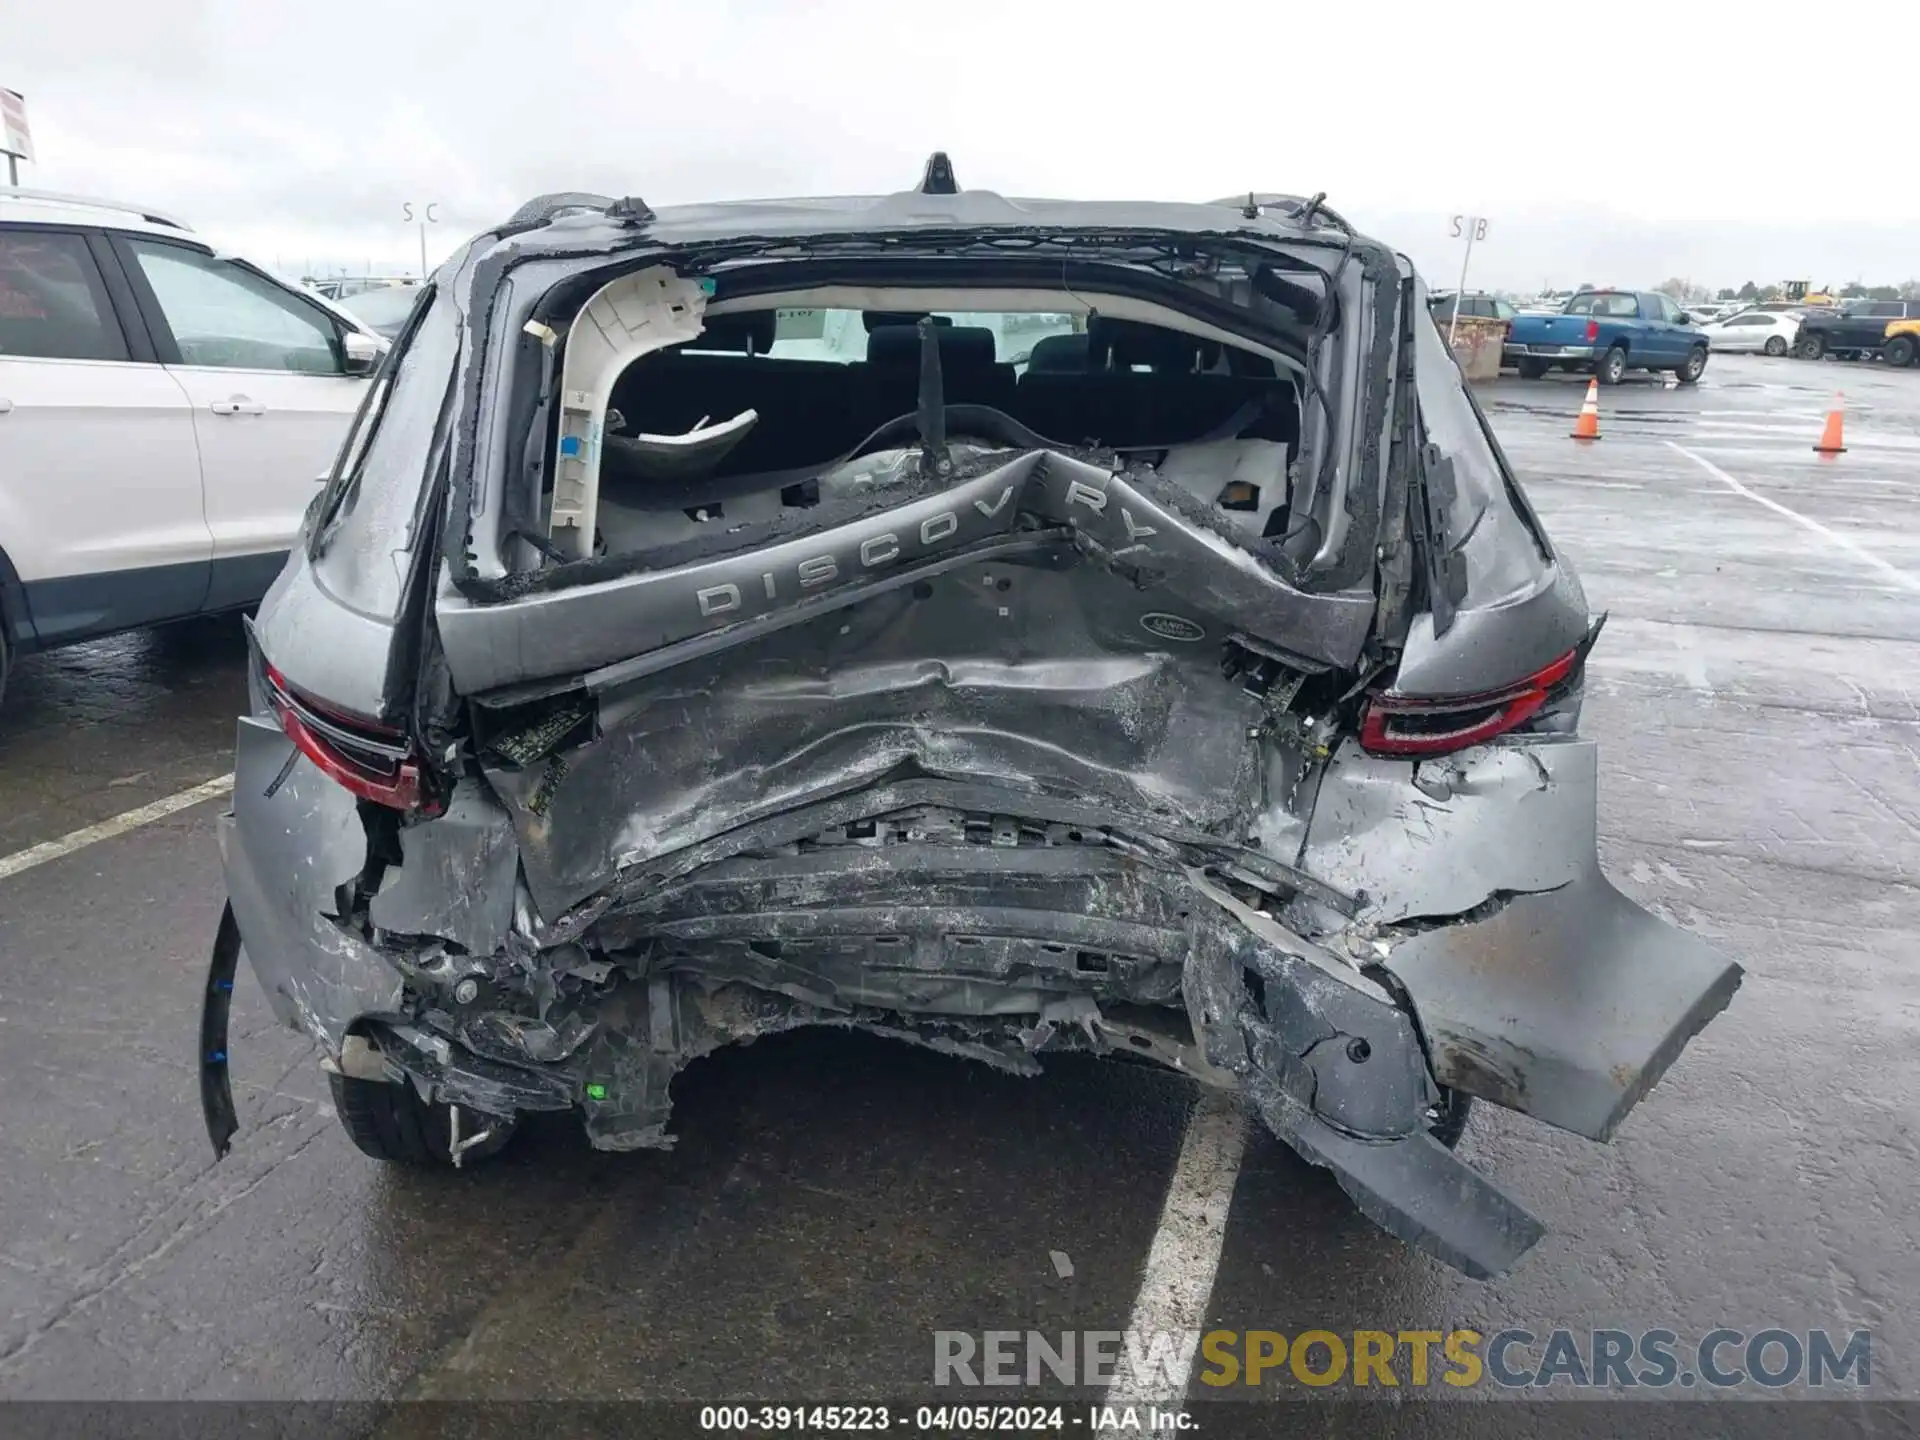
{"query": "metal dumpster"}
pixel 1476 345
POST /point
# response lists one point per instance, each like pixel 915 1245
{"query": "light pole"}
pixel 426 217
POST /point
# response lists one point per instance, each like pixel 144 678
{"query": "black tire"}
pixel 1810 347
pixel 1447 1121
pixel 1532 369
pixel 1776 346
pixel 1612 366
pixel 1693 366
pixel 6 657
pixel 1899 354
pixel 392 1123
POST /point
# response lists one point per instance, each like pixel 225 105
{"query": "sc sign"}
pixel 1469 225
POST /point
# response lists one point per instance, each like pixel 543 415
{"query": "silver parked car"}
pixel 1006 626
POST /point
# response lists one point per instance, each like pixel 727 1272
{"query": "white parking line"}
pixel 1184 1257
pixel 106 829
pixel 1893 573
pixel 1581 482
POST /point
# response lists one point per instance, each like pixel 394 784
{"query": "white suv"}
pixel 166 414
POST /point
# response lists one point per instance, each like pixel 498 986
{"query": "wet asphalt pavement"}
pixel 834 1200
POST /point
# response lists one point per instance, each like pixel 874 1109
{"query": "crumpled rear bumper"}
pixel 1489 955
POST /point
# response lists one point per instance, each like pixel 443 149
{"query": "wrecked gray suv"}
pixel 1007 626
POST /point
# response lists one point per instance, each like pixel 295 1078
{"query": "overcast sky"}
pixel 1619 143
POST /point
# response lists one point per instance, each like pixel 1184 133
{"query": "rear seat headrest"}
pixel 1123 344
pixel 747 332
pixel 1058 355
pixel 962 347
pixel 872 320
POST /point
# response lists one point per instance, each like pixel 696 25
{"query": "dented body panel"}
pixel 1125 521
pixel 291 844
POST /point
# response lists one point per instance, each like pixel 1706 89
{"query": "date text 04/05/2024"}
pixel 963 1419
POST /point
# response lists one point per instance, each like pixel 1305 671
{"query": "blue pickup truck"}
pixel 1608 332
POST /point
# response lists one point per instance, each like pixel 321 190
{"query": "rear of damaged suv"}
pixel 1009 627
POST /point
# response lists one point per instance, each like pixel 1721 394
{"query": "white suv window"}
pixel 52 304
pixel 222 314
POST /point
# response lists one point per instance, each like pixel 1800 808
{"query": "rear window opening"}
pixel 743 425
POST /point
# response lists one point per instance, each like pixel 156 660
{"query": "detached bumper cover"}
pixel 1538 985
pixel 1568 1006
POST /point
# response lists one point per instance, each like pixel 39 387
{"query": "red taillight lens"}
pixel 1593 331
pixel 1408 725
pixel 374 762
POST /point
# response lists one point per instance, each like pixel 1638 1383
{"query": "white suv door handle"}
pixel 6 406
pixel 238 405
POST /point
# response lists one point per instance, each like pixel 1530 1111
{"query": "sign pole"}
pixel 1474 227
pixel 15 138
pixel 1460 293
pixel 425 217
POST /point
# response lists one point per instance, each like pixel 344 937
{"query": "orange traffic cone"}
pixel 1587 427
pixel 1836 420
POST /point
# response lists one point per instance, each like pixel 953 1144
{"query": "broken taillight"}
pixel 1435 725
pixel 374 762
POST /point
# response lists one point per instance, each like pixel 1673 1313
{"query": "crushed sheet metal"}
pixel 1439 837
pixel 1119 523
pixel 456 875
pixel 1295 1055
pixel 1285 940
pixel 285 856
pixel 826 709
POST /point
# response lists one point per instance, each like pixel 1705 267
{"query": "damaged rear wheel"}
pixel 392 1123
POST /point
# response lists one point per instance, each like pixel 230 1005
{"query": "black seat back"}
pixel 969 374
pixel 1146 385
